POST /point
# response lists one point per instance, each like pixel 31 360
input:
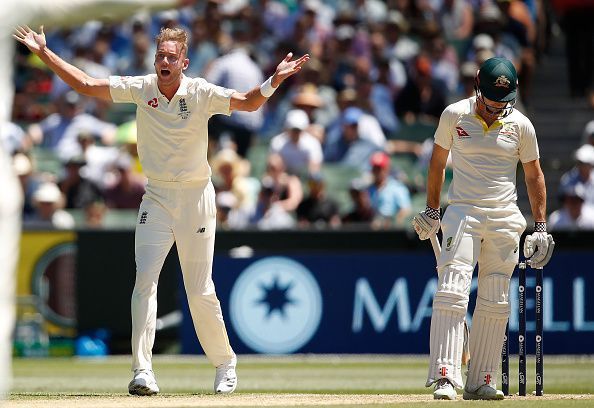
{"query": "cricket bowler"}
pixel 179 204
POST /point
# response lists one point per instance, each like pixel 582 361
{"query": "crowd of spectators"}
pixel 343 142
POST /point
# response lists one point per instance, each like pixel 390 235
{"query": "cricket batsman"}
pixel 482 224
pixel 179 204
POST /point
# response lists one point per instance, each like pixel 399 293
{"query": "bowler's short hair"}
pixel 177 34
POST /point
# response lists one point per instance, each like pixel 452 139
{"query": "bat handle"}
pixel 435 245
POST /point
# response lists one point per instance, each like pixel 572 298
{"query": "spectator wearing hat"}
pixel 317 209
pixel 230 174
pixel 315 78
pixel 301 152
pixel 368 126
pixel 308 99
pixel 77 189
pixel 127 191
pixel 48 202
pixel 582 173
pixel 485 46
pixel 390 199
pixel 350 149
pixel 362 212
pixel 574 213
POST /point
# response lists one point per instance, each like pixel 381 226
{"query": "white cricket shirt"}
pixel 172 135
pixel 485 159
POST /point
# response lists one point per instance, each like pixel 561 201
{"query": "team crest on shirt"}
pixel 449 244
pixel 502 82
pixel 462 134
pixel 183 109
pixel 507 133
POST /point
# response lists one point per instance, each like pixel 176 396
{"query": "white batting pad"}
pixel 447 325
pixel 446 341
pixel 488 328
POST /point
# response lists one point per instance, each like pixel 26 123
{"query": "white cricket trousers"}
pixel 184 213
pixel 11 203
pixel 491 238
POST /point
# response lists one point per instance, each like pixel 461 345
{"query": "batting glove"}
pixel 426 223
pixel 539 246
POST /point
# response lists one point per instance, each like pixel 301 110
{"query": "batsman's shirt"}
pixel 485 159
pixel 172 135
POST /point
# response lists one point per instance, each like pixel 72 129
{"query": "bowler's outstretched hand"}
pixel 33 40
pixel 288 67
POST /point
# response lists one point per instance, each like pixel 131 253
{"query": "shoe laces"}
pixel 443 383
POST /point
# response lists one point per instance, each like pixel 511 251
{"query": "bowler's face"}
pixel 170 62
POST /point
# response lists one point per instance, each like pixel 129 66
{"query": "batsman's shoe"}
pixel 143 383
pixel 226 378
pixel 444 390
pixel 484 392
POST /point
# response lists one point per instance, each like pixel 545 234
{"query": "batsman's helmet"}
pixel 497 80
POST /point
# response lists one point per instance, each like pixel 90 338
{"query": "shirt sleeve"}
pixel 528 143
pixel 443 133
pixel 218 98
pixel 125 89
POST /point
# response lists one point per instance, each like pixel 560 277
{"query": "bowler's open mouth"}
pixel 165 72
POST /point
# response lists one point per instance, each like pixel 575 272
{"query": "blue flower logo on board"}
pixel 276 305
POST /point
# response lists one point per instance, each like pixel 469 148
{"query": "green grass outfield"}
pixel 305 380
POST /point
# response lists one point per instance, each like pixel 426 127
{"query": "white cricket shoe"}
pixel 143 383
pixel 444 390
pixel 226 378
pixel 484 392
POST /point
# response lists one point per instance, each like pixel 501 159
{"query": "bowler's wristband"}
pixel 266 89
pixel 540 226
